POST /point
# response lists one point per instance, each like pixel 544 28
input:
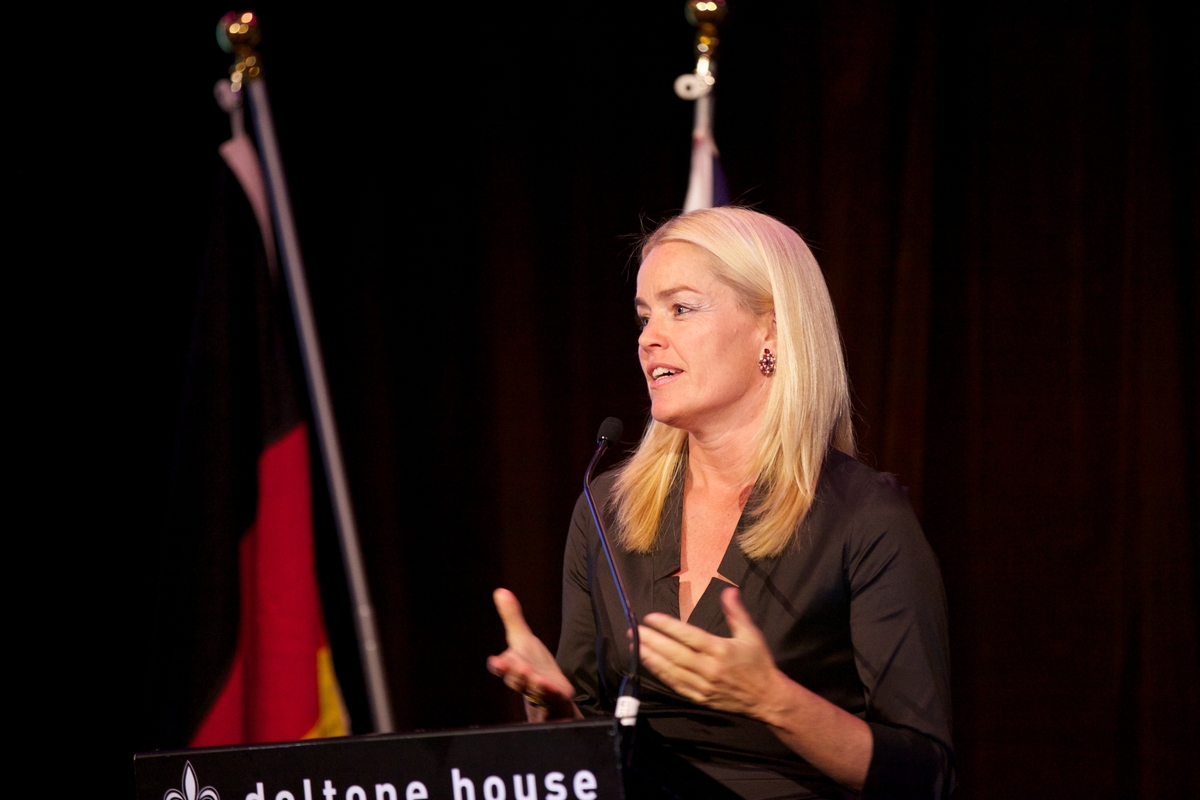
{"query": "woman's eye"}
pixel 680 309
pixel 642 322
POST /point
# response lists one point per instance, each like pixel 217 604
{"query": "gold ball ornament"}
pixel 705 12
pixel 238 30
pixel 238 33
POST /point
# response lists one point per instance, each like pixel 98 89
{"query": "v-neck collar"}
pixel 707 614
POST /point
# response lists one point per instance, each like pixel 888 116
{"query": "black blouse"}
pixel 853 610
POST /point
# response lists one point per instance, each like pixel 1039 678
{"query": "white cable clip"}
pixel 627 710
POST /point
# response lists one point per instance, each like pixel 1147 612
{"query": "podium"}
pixel 587 760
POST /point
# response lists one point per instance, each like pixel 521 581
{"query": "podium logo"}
pixel 190 785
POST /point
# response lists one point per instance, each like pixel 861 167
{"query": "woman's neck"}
pixel 722 462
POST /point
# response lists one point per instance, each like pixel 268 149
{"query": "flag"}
pixel 706 182
pixel 242 650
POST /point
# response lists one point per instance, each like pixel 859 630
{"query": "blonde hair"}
pixel 808 406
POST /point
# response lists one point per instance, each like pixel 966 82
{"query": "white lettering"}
pixel 256 795
pixel 464 788
pixel 284 795
pixel 415 791
pixel 329 791
pixel 529 792
pixel 585 785
pixel 356 793
pixel 385 791
pixel 493 788
pixel 307 789
pixel 554 787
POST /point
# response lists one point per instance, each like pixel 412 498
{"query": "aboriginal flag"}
pixel 241 652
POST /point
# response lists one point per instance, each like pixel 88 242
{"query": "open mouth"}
pixel 661 372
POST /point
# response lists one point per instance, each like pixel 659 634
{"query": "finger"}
pixel 514 678
pixel 519 674
pixel 667 646
pixel 509 609
pixel 738 618
pixel 667 657
pixel 695 638
pixel 504 663
pixel 552 703
pixel 675 673
pixel 556 686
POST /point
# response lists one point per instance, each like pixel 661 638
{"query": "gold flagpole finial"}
pixel 705 15
pixel 238 33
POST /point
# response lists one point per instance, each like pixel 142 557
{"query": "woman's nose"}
pixel 650 335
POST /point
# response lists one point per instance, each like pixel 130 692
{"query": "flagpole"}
pixel 697 86
pixel 239 34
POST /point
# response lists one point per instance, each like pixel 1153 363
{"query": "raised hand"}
pixel 739 675
pixel 736 674
pixel 528 666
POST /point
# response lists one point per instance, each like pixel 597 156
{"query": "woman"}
pixel 793 619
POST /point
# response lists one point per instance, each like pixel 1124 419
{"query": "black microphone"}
pixel 610 431
pixel 627 701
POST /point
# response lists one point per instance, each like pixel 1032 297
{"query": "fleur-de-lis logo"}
pixel 190 785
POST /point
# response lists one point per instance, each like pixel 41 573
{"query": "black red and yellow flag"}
pixel 241 650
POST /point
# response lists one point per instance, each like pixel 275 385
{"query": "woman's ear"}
pixel 770 332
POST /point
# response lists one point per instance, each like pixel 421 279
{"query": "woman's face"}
pixel 699 346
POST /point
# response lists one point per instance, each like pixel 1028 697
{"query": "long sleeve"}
pixel 899 633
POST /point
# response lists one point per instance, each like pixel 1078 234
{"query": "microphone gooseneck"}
pixel 627 701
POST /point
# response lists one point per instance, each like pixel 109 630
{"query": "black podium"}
pixel 586 760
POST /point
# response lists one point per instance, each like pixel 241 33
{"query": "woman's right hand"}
pixel 528 667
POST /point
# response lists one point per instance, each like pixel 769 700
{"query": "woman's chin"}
pixel 668 417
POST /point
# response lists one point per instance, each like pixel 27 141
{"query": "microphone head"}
pixel 610 431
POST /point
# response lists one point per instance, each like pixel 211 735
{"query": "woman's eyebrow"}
pixel 665 294
pixel 674 290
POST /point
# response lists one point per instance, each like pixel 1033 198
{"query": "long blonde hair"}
pixel 808 406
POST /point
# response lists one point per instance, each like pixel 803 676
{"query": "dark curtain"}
pixel 1004 201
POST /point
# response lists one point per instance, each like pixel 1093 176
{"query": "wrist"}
pixel 779 704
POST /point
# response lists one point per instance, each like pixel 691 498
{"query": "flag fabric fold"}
pixel 243 652
pixel 706 182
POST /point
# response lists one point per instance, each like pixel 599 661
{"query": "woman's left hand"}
pixel 737 674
